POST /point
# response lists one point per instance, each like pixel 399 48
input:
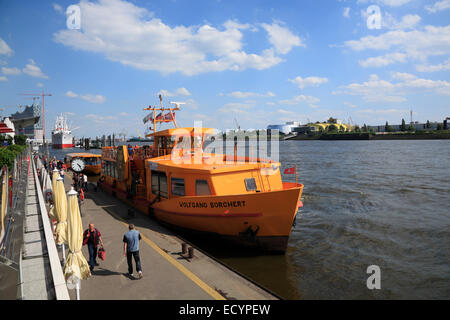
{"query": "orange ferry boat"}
pixel 240 199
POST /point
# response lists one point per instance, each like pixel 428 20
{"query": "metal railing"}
pixel 13 195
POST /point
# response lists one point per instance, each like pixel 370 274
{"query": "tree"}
pixel 332 120
pixel 364 128
pixel 386 127
pixel 411 128
pixel 357 129
pixel 403 126
pixel 20 139
pixel 332 128
pixel 428 124
pixel 440 126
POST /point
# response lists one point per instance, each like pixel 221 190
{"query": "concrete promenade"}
pixel 167 275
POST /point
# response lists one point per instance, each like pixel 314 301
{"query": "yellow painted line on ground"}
pixel 213 293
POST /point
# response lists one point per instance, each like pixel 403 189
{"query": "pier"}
pixel 168 274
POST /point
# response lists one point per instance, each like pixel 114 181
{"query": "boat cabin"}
pixel 92 161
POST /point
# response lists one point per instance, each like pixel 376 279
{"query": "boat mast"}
pixel 162 109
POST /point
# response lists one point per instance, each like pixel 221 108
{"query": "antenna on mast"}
pixel 177 104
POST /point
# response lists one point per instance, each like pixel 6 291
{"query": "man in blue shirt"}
pixel 131 248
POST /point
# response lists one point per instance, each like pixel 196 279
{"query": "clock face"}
pixel 78 165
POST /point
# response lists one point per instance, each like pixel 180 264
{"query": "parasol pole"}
pixel 63 253
pixel 77 289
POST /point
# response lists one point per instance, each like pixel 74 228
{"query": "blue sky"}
pixel 261 62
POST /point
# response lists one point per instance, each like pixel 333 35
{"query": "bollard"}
pixel 191 252
pixel 183 248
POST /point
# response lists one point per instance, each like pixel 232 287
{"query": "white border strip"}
pixel 58 278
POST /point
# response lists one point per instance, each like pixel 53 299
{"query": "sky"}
pixel 248 63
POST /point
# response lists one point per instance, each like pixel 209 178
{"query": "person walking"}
pixel 131 249
pixel 85 182
pixel 75 181
pixel 61 173
pixel 92 238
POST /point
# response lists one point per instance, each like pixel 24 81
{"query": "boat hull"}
pixel 62 140
pixel 262 220
pixel 62 146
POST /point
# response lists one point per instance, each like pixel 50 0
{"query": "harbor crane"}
pixel 237 125
pixel 40 95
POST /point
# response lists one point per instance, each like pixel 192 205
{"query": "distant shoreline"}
pixel 371 136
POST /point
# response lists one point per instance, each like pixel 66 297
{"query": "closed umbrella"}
pixel 60 211
pixel 76 267
pixel 4 187
pixel 54 177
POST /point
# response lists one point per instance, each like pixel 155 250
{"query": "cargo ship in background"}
pixel 61 135
pixel 241 200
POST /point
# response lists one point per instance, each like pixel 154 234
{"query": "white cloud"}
pixel 235 107
pixel 2 78
pixel 377 90
pixel 309 81
pixel 282 39
pixel 414 44
pixel 408 21
pixel 58 8
pixel 10 71
pixel 310 100
pixel 382 111
pixel 4 48
pixel 136 38
pixel 433 68
pixel 346 12
pixel 244 95
pixel 438 6
pixel 71 94
pixel 87 97
pixel 389 3
pixel 39 84
pixel 351 105
pixel 382 61
pixel 191 103
pixel 177 92
pixel 100 119
pixel 33 70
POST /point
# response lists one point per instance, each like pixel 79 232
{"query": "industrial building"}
pixel 294 127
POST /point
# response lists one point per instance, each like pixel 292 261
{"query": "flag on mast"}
pixel 289 170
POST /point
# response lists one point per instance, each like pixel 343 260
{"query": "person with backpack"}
pixel 92 238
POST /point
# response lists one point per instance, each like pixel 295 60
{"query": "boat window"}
pixel 178 186
pixel 250 184
pixel 159 183
pixel 202 188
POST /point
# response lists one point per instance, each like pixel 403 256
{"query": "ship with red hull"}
pixel 61 135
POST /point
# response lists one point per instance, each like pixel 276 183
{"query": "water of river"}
pixel 384 203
